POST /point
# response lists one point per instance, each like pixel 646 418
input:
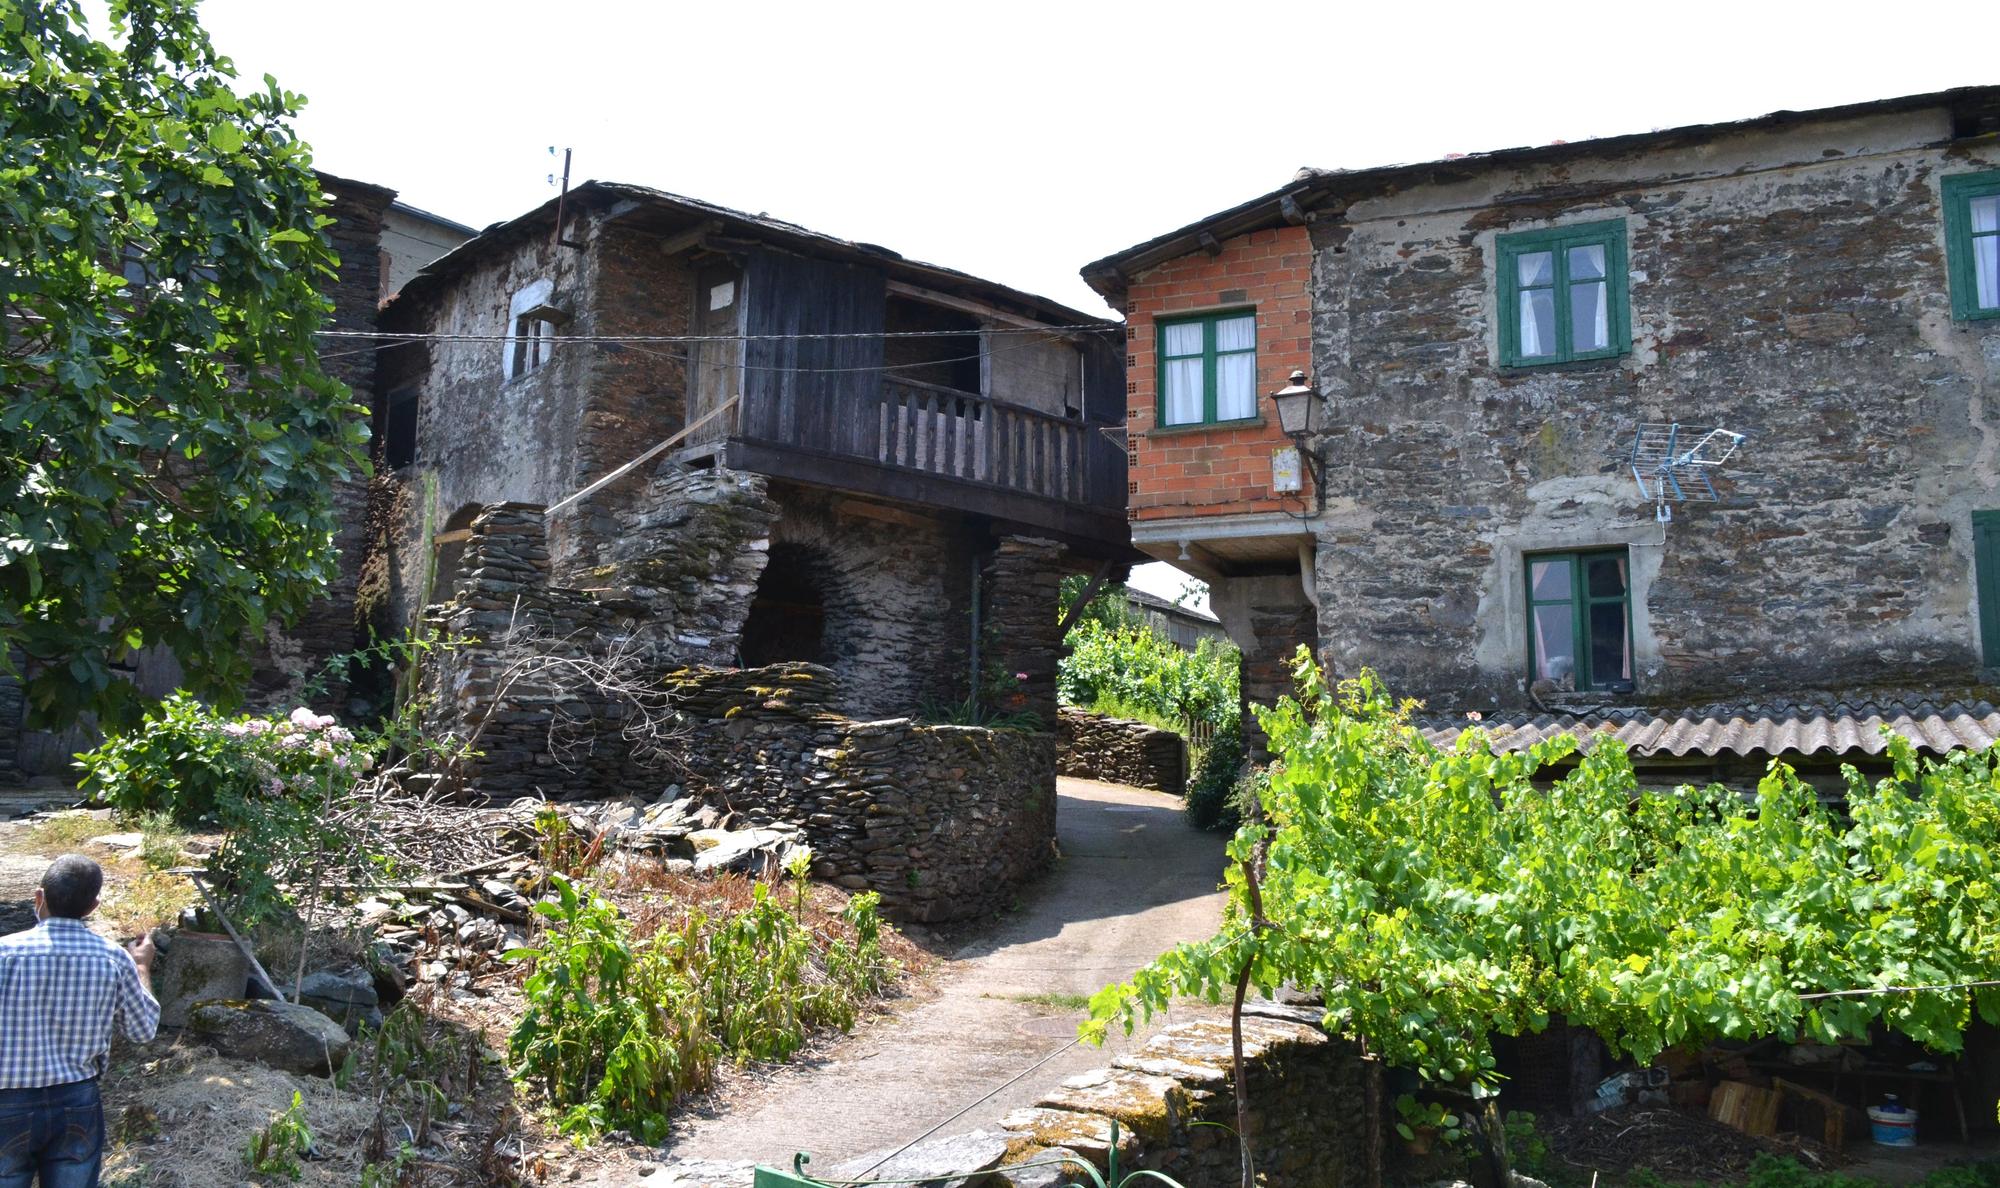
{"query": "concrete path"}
pixel 1133 880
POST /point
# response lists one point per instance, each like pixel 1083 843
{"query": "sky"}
pixel 1019 141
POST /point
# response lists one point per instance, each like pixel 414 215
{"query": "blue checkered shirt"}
pixel 62 987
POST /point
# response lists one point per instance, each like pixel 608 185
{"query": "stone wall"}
pixel 1019 644
pixel 946 822
pixel 1789 284
pixel 1097 747
pixel 1306 1090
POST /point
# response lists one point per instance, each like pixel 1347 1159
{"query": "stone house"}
pixel 753 443
pixel 1487 335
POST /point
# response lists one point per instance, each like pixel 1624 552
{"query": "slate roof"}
pixel 1775 727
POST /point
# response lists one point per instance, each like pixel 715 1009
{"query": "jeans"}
pixel 57 1131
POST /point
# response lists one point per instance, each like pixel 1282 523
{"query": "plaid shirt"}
pixel 61 985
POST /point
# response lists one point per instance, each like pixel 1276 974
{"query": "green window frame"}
pixel 1571 601
pixel 1224 364
pixel 1555 295
pixel 1969 234
pixel 1986 583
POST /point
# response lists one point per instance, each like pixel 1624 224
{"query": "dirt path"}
pixel 1133 880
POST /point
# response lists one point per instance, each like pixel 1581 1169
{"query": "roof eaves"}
pixel 1108 275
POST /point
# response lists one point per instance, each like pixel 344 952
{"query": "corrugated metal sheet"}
pixel 1762 728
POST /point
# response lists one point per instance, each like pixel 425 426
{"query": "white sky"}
pixel 1018 141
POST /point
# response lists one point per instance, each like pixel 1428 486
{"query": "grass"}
pixel 64 832
pixel 1067 1002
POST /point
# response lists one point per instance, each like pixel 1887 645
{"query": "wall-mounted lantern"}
pixel 1300 409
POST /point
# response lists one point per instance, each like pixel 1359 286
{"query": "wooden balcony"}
pixel 936 447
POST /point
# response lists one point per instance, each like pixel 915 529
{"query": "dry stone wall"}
pixel 1308 1122
pixel 1097 747
pixel 945 822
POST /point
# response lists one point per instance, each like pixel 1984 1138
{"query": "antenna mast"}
pixel 1669 470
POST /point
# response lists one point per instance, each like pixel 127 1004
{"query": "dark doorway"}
pixel 787 619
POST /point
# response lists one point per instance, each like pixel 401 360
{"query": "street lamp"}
pixel 1299 408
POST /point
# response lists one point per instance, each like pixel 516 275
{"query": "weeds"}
pixel 618 1028
pixel 64 832
pixel 280 1148
pixel 161 842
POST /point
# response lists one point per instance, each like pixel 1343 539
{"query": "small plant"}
pixel 1526 1148
pixel 161 842
pixel 1210 804
pixel 1419 1122
pixel 280 1148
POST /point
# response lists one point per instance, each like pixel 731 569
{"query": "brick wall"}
pixel 1226 470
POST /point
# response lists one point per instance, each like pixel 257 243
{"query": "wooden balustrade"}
pixel 959 436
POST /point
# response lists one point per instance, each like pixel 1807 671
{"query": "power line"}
pixel 410 336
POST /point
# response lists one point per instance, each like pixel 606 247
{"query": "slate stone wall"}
pixel 945 822
pixel 1790 285
pixel 1097 747
pixel 1307 1094
pixel 1019 644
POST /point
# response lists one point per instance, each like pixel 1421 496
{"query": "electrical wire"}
pixel 429 336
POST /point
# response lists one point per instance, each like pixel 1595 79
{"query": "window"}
pixel 1972 243
pixel 1208 369
pixel 531 330
pixel 1986 583
pixel 1561 294
pixel 1580 620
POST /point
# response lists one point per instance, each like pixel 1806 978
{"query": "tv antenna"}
pixel 1671 463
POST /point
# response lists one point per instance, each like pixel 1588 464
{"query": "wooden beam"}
pixel 962 305
pixel 692 237
pixel 626 469
pixel 1089 592
pixel 452 537
pixel 1209 243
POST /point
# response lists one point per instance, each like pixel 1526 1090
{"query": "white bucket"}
pixel 1893 1128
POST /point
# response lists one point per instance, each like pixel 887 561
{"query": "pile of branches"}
pixel 1676 1144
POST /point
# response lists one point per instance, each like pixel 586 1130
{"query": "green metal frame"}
pixel 1986 582
pixel 1209 354
pixel 1507 249
pixel 1958 192
pixel 1580 602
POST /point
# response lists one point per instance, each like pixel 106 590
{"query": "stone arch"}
pixel 789 613
pixel 448 551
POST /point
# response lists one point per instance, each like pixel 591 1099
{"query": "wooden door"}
pixel 716 371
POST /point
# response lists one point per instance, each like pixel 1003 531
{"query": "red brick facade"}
pixel 1224 470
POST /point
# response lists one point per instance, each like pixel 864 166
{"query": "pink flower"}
pixel 236 729
pixel 305 719
pixel 340 734
pixel 273 786
pixel 292 742
pixel 1020 676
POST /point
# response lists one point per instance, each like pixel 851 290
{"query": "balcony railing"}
pixel 957 436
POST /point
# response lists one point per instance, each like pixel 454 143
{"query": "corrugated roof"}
pixel 1760 728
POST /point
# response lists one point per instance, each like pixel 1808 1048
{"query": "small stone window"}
pixel 1561 294
pixel 1972 243
pixel 1580 620
pixel 531 328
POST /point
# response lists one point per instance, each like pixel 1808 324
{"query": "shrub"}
pixel 1133 666
pixel 190 763
pixel 1210 800
pixel 617 1028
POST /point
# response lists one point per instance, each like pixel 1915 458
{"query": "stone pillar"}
pixel 1268 618
pixel 1018 645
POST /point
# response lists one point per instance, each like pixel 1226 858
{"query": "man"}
pixel 62 987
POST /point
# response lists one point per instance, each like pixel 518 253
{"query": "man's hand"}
pixel 142 953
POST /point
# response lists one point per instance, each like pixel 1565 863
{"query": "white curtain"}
pixel 1986 250
pixel 1589 312
pixel 1537 313
pixel 1183 375
pixel 1236 374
